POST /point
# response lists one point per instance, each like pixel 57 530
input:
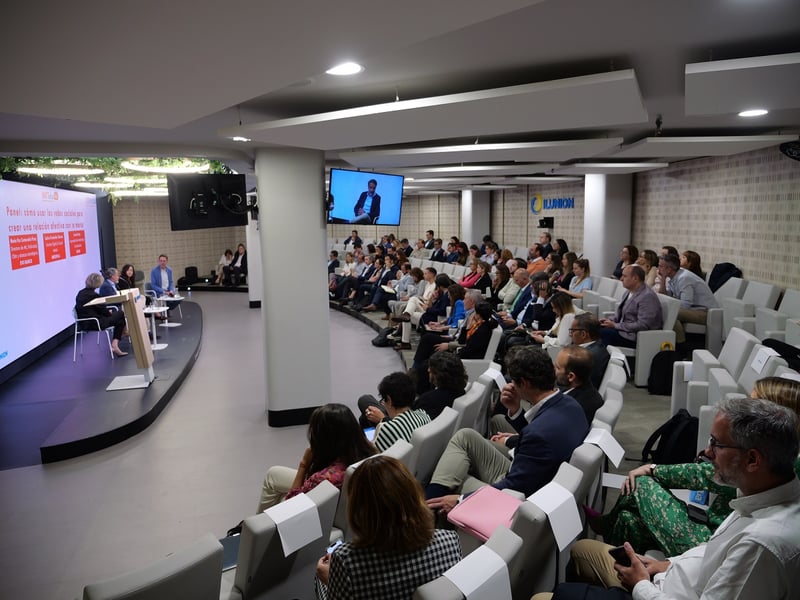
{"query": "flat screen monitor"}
pixel 364 198
pixel 202 201
pixel 51 243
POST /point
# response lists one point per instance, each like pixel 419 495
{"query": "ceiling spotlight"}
pixel 61 170
pixel 755 112
pixel 239 138
pixel 348 68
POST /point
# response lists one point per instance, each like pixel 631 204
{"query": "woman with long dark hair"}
pixel 335 441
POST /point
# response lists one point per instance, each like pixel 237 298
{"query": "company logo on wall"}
pixel 538 204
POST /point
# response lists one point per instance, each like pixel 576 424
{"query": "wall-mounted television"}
pixel 202 201
pixel 364 198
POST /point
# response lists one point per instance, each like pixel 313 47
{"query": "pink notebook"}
pixel 480 513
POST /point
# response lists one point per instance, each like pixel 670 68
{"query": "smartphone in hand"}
pixel 619 555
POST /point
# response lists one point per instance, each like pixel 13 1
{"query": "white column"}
pixel 297 366
pixel 475 216
pixel 607 214
pixel 254 268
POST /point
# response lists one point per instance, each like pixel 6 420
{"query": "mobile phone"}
pixel 334 546
pixel 619 555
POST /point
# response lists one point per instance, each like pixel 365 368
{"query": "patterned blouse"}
pixel 364 574
pixel 333 473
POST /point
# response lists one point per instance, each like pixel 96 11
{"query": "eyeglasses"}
pixel 715 445
pixel 573 330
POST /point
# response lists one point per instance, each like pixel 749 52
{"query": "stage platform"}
pixel 56 409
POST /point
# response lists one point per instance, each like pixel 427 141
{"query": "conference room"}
pixel 491 113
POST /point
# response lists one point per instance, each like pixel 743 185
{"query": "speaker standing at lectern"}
pixel 105 316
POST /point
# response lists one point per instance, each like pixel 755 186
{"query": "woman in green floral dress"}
pixel 649 516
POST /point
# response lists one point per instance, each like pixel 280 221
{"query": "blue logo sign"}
pixel 538 204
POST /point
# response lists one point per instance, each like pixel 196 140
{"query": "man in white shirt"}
pixel 754 553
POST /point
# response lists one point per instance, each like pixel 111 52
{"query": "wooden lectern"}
pixel 133 306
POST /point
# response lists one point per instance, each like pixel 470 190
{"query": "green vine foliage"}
pixel 111 166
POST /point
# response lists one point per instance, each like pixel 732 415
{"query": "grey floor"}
pixel 197 469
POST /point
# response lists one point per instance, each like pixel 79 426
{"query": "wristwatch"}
pixel 653 468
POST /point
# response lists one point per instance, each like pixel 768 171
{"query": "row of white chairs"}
pixel 700 384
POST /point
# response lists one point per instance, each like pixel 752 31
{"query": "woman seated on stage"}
pixel 395 547
pixel 335 441
pixel 105 316
pixel 224 262
pixel 649 516
pixel 127 277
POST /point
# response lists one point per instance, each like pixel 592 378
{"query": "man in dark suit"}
pixel 429 239
pixel 639 310
pixel 353 239
pixel 545 240
pixel 557 426
pixel 438 254
pixel 573 372
pixel 585 332
pixel 333 261
pixel 368 208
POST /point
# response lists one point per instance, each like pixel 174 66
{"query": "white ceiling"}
pixel 521 83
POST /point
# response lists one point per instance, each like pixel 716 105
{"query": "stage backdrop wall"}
pixel 142 232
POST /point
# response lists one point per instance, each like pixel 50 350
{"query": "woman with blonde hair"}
pixel 105 316
pixel 395 547
pixel 558 334
pixel 648 260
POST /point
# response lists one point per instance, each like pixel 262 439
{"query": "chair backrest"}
pixel 749 375
pixel 588 458
pixel 468 405
pixel 606 286
pixel 615 377
pixel 534 568
pixel 790 303
pixel 494 342
pixel 192 572
pixel 734 352
pixel 482 419
pixel 262 566
pixel 401 450
pixel 429 442
pixel 761 294
pixel 612 407
pixel 733 288
pixel 669 310
pixel 504 542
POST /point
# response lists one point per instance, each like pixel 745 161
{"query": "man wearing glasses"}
pixel 585 332
pixel 754 553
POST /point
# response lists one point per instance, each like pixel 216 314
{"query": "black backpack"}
pixel 659 381
pixel 677 441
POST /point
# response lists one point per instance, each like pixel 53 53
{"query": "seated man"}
pixel 573 367
pixel 237 270
pixel 639 310
pixel 755 552
pixel 695 295
pixel 557 426
pixel 396 392
pixel 161 278
pixel 585 332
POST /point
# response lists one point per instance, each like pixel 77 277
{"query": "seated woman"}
pixel 558 334
pixel 224 262
pixel 449 380
pixel 463 254
pixel 560 247
pixel 650 517
pixel 501 277
pixel 335 441
pixel 690 260
pixel 473 275
pixel 627 256
pixel 648 260
pixel 127 277
pixel 581 281
pixel 395 547
pixel 567 270
pixel 104 315
pixel 553 268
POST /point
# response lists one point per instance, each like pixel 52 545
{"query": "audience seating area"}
pixel 732 360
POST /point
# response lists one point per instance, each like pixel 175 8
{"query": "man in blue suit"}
pixel 161 278
pixel 556 426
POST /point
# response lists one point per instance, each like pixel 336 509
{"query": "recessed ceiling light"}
pixel 755 112
pixel 239 138
pixel 348 68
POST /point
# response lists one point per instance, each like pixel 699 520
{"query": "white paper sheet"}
pixel 760 360
pixel 298 522
pixel 482 574
pixel 497 376
pixel 606 442
pixel 612 480
pixel 562 512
